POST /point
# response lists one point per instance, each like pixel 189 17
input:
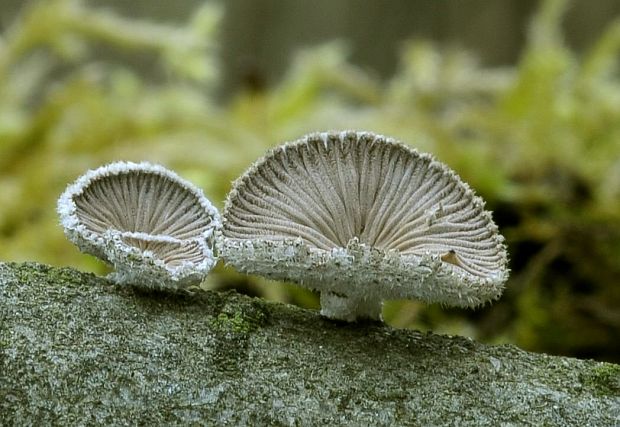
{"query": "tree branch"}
pixel 75 348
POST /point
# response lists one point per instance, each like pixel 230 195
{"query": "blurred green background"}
pixel 521 98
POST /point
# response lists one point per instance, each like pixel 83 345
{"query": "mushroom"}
pixel 154 227
pixel 362 218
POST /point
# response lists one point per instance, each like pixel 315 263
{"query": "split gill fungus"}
pixel 362 218
pixel 155 228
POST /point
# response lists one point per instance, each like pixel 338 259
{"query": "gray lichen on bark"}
pixel 75 348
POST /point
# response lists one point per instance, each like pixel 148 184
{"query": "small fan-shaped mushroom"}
pixel 154 227
pixel 362 218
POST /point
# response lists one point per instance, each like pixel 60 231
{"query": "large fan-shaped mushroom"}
pixel 154 227
pixel 362 218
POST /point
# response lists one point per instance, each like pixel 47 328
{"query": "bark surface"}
pixel 77 349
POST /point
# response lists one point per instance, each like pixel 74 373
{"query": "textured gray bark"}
pixel 76 349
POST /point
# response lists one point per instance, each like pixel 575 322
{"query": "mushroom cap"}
pixel 363 216
pixel 154 227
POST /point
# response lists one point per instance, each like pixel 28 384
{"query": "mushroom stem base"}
pixel 346 308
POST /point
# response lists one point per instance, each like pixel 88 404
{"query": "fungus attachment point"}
pixel 154 227
pixel 362 218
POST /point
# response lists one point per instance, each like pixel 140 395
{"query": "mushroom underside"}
pixel 171 252
pixel 153 227
pixel 361 217
pixel 142 203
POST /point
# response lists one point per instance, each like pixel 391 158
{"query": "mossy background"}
pixel 539 140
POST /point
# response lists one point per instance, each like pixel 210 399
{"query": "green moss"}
pixel 29 272
pixel 239 321
pixel 232 327
pixel 604 379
